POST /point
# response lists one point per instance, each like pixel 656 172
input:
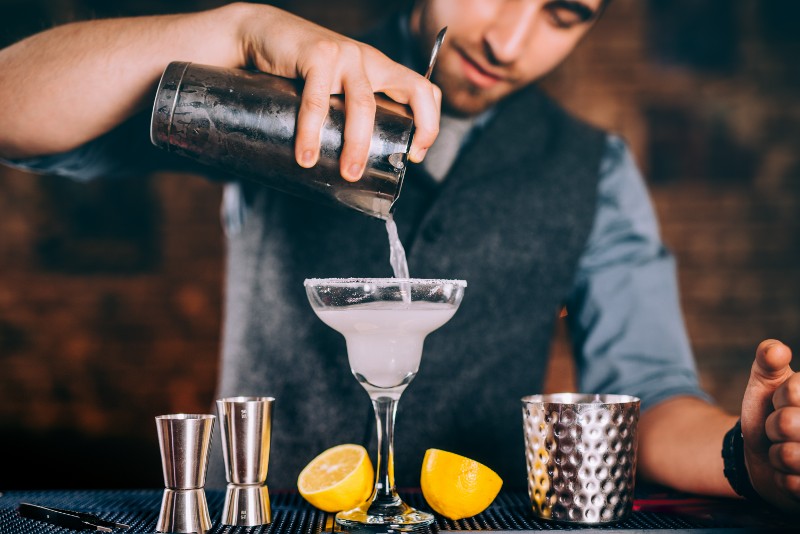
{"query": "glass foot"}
pixel 397 515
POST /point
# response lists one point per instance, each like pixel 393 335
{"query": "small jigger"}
pixel 184 441
pixel 246 424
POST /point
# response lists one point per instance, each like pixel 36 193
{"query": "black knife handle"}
pixel 61 518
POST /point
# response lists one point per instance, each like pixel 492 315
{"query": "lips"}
pixel 476 73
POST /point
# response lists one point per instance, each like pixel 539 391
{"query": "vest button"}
pixel 432 231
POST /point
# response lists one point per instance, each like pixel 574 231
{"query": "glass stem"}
pixel 385 493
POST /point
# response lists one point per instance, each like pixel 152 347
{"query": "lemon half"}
pixel 340 478
pixel 457 487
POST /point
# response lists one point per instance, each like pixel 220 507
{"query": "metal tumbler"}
pixel 184 440
pixel 246 424
pixel 244 122
pixel 581 456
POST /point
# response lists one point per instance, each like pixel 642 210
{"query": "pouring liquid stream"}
pixel 397 257
pixel 397 254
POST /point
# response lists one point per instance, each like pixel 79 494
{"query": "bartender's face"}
pixel 495 47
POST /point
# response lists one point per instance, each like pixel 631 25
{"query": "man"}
pixel 535 210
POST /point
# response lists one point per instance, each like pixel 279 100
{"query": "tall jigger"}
pixel 246 424
pixel 184 440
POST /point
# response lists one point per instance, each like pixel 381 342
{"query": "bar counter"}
pixel 654 511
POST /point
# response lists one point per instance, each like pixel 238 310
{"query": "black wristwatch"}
pixel 735 469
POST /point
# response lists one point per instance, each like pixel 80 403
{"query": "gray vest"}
pixel 512 218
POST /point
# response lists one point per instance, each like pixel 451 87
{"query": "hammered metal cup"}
pixel 581 456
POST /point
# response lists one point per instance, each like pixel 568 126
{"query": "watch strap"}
pixel 735 469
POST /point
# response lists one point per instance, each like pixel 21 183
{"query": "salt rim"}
pixel 386 281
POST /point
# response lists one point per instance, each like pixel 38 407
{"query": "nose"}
pixel 506 37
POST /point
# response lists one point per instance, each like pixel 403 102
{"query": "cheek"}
pixel 464 18
pixel 546 51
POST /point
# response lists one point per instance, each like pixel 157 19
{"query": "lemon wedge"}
pixel 340 478
pixel 457 487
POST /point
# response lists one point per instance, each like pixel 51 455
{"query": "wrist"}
pixel 237 17
pixel 212 37
pixel 244 23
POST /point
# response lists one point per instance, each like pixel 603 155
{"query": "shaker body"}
pixel 244 122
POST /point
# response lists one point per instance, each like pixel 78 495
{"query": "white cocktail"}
pixel 384 342
pixel 384 321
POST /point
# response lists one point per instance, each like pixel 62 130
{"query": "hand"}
pixel 65 94
pixel 330 63
pixel 771 426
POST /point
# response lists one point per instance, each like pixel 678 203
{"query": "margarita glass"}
pixel 384 322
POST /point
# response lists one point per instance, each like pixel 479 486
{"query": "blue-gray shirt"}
pixel 623 312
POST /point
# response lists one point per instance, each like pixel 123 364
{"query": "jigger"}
pixel 246 424
pixel 184 440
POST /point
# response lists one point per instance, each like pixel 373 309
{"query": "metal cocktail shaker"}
pixel 244 122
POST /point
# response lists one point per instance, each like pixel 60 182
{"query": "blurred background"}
pixel 110 293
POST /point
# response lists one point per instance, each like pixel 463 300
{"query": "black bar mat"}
pixel 292 515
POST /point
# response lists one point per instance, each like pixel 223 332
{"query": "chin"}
pixel 464 99
pixel 466 105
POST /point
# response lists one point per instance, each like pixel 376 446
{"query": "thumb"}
pixel 770 370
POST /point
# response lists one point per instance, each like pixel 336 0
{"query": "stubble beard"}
pixel 463 99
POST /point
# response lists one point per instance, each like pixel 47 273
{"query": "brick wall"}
pixel 88 358
pixel 717 142
pixel 110 294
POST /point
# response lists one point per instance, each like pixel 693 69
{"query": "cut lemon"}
pixel 457 487
pixel 340 478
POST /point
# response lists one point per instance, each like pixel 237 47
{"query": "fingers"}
pixel 770 369
pixel 360 71
pixel 788 393
pixel 336 66
pixel 426 106
pixel 772 362
pixel 425 100
pixel 359 109
pixel 785 457
pixel 407 87
pixel 789 483
pixel 314 105
pixel 784 425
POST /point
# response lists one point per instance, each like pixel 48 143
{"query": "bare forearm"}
pixel 679 446
pixel 70 84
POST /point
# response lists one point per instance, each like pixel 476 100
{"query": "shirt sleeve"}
pixel 624 313
pixel 123 152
